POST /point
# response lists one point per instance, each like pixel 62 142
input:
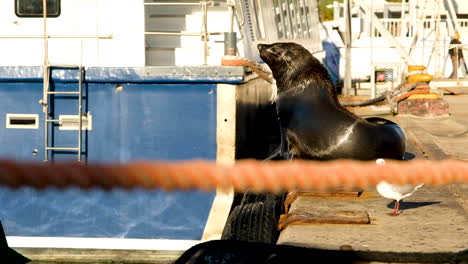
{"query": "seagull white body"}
pixel 395 192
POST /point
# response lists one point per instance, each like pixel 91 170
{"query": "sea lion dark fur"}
pixel 313 124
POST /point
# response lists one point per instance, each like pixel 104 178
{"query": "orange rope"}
pixel 239 61
pixel 245 174
pixel 419 89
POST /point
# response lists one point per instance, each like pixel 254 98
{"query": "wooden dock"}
pixel 434 219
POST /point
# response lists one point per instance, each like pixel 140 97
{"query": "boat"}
pixel 114 82
pixel 386 37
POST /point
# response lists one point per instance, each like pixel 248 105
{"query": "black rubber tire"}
pixel 246 223
pixel 270 231
pixel 257 219
pixel 250 197
pixel 253 222
pixel 229 232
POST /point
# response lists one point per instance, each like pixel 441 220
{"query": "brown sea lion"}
pixel 313 124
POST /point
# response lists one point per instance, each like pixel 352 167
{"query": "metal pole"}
pixel 452 15
pixel 204 6
pixel 231 15
pixel 306 18
pixel 347 76
pixel 57 36
pixel 230 43
pixel 46 57
pixel 297 20
pixel 457 60
pixel 172 4
pixel 283 22
pixel 292 29
pixel 403 28
pixel 80 102
pixel 419 30
pixel 80 98
pixel 438 73
pixel 45 85
pixel 160 33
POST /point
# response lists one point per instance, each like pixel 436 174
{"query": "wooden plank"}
pixel 292 196
pixel 226 123
pixel 337 193
pixel 226 142
pixel 219 214
pixel 88 256
pixel 323 217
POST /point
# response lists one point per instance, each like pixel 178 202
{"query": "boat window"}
pixel 33 8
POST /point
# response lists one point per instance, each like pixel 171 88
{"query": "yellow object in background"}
pixel 416 68
pixel 419 78
pixel 424 96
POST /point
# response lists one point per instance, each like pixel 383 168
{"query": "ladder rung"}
pixel 64 121
pixel 62 148
pixel 63 92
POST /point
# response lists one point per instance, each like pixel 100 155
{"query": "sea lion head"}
pixel 295 68
pixel 284 58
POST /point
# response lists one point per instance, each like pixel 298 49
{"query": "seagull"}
pixel 395 192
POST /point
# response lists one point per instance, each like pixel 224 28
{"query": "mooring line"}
pixel 244 175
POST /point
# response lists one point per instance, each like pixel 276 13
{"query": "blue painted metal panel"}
pixel 170 74
pixel 142 120
pixel 21 98
pixel 167 121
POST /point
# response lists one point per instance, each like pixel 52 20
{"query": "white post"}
pixel 404 28
pixel 437 56
pixel 336 10
pixel 46 57
pixel 45 82
pixel 347 76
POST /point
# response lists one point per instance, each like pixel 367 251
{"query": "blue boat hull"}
pixel 135 117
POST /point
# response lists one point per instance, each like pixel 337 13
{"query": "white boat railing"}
pixel 402 28
pixel 259 21
pixel 204 34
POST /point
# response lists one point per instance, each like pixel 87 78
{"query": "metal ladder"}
pixel 49 96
